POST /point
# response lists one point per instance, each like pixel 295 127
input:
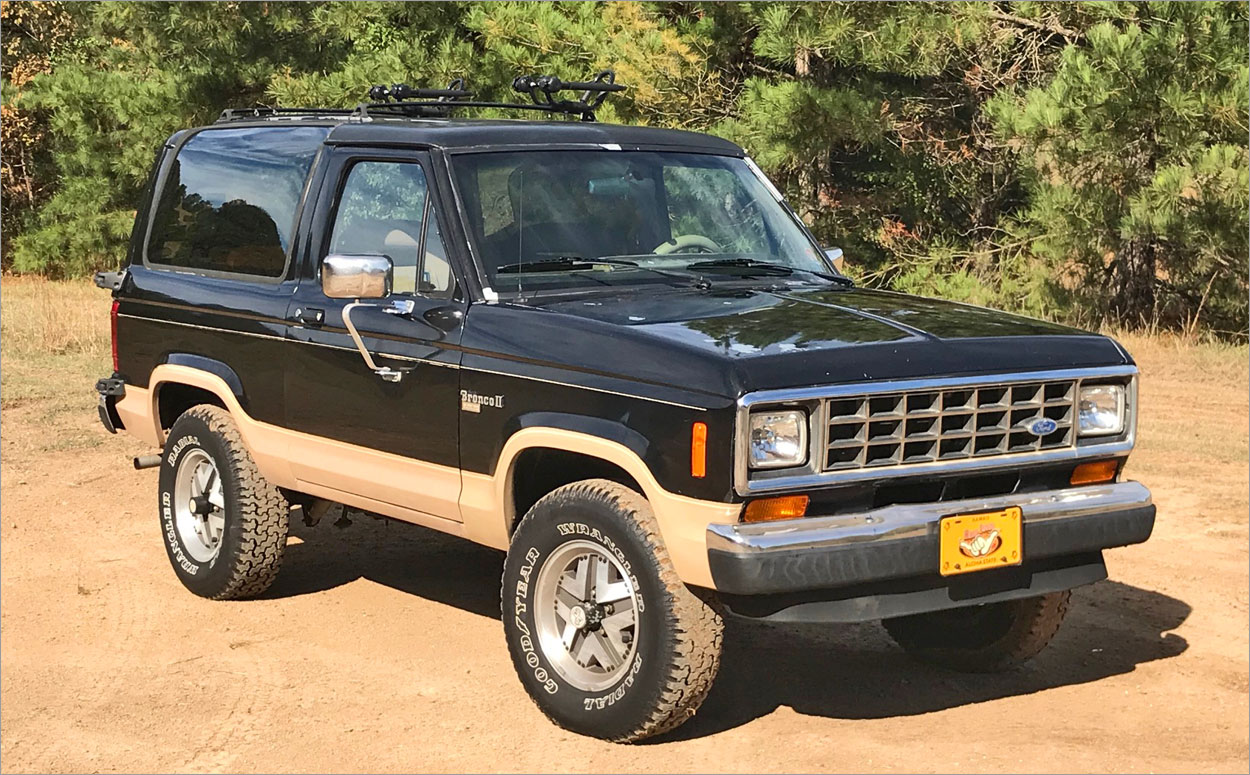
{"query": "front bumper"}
pixel 858 551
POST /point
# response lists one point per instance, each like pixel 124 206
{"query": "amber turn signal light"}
pixel 698 450
pixel 1095 473
pixel 772 509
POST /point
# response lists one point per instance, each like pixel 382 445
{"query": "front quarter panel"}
pixel 520 370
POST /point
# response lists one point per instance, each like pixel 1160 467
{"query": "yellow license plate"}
pixel 972 542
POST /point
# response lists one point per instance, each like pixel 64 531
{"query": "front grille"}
pixel 941 424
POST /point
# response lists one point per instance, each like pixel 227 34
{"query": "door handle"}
pixel 309 316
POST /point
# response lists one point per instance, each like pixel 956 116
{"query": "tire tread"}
pixel 695 622
pixel 262 512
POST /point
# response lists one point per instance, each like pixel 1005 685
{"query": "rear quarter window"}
pixel 228 199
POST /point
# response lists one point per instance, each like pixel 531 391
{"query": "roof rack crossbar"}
pixel 435 109
pixel 415 102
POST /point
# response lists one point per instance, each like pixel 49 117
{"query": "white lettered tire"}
pixel 605 637
pixel 224 525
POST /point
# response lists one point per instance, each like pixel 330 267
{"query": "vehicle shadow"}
pixel 850 671
pixel 403 556
pixel 856 671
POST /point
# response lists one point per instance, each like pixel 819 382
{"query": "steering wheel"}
pixel 679 244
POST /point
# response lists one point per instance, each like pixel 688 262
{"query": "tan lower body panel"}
pixel 475 506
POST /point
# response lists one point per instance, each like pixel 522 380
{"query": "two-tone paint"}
pixel 625 372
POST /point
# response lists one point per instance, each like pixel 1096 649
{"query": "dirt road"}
pixel 379 648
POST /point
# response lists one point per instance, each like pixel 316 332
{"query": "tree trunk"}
pixel 1134 277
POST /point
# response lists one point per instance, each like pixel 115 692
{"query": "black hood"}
pixel 799 335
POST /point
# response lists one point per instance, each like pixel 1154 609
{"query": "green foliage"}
pixel 1081 161
pixel 1135 153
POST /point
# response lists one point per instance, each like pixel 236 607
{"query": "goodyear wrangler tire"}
pixel 224 526
pixel 606 638
pixel 982 639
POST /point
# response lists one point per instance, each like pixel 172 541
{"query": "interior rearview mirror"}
pixel 346 276
pixel 836 258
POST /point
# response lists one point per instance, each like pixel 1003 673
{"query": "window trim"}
pixel 344 171
pixel 289 254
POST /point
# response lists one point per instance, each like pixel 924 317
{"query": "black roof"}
pixel 462 134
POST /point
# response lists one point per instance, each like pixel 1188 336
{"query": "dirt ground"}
pixel 380 649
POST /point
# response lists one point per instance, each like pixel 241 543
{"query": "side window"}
pixel 228 200
pixel 385 209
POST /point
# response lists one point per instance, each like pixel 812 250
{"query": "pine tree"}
pixel 1084 161
pixel 1136 154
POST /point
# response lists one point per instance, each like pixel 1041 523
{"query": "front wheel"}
pixel 605 637
pixel 982 639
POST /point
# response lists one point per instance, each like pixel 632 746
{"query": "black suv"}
pixel 615 353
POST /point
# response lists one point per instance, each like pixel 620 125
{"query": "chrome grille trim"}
pixel 851 410
pixel 924 426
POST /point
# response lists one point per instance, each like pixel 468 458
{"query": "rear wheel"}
pixel 984 638
pixel 605 637
pixel 224 526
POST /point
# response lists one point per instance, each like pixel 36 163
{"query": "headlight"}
pixel 1101 410
pixel 778 439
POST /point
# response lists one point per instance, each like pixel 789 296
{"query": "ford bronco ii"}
pixel 615 353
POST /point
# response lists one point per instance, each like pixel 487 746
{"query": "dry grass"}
pixel 54 345
pixel 40 318
pixel 1193 441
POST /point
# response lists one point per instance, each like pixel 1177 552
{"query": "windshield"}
pixel 548 220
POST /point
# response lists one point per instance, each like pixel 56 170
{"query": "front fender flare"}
pixel 682 520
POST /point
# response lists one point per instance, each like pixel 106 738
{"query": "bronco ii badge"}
pixel 473 402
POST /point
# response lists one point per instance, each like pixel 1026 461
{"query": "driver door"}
pixel 393 442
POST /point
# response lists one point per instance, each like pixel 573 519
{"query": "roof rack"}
pixel 247 114
pixel 400 99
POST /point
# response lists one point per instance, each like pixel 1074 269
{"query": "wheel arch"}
pixel 541 442
pixel 538 470
pixel 212 366
pixel 488 503
pixel 268 446
pixel 177 382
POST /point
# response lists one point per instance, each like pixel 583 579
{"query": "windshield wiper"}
pixel 842 280
pixel 769 267
pixel 577 263
pixel 561 264
pixel 743 263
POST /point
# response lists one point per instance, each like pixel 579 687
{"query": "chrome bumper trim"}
pixel 918 519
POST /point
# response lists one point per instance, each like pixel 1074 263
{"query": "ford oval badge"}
pixel 1041 426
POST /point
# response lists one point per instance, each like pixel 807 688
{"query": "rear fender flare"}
pixel 269 446
pixel 212 366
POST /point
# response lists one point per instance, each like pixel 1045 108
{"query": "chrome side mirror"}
pixel 836 258
pixel 345 276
